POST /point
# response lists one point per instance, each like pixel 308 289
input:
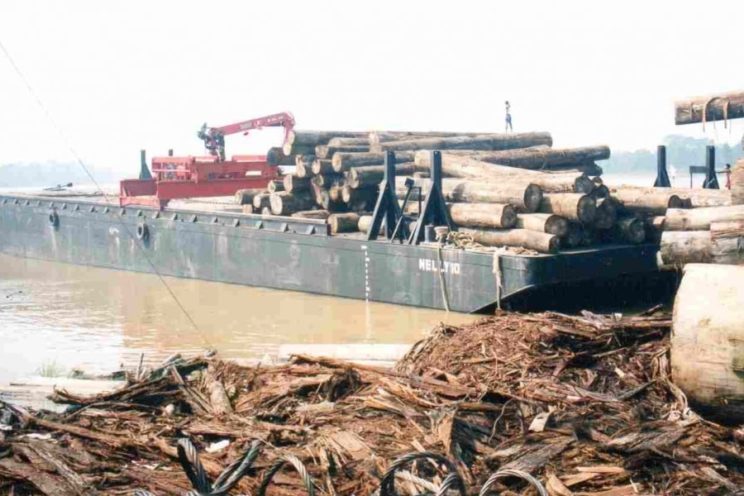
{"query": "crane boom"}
pixel 214 137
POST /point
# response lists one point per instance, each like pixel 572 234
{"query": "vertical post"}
pixel 170 152
pixel 434 210
pixel 662 177
pixel 144 171
pixel 387 208
pixel 711 180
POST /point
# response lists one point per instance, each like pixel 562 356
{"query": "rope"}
pixel 510 472
pixel 298 466
pixel 453 479
pixel 497 274
pixel 442 282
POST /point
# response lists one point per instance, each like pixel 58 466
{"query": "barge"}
pixel 293 254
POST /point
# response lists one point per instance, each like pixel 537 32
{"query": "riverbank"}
pixel 576 405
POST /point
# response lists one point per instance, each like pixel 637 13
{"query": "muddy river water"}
pixel 57 317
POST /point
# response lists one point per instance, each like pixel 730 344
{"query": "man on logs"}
pixel 508 117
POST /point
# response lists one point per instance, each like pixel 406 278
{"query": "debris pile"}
pixel 552 404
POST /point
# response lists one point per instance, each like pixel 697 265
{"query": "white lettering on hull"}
pixel 429 265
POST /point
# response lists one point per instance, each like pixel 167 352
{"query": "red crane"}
pixel 200 176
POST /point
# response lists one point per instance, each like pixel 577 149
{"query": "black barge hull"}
pixel 288 253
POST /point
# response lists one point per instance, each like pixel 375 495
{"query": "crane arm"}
pixel 284 119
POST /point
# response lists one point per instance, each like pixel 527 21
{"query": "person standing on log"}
pixel 727 171
pixel 508 117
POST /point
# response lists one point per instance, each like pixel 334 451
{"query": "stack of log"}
pixel 512 190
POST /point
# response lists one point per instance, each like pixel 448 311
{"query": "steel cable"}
pixel 307 481
pixel 452 480
pixel 510 472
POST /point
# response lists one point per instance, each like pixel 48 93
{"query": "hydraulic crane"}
pixel 212 175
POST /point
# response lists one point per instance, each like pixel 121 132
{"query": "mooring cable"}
pixel 80 162
pixel 453 480
pixel 295 462
pixel 511 472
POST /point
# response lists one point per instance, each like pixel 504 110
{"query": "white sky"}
pixel 120 76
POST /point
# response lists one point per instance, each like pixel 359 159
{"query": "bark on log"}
pixel 631 229
pixel 245 196
pixel 344 161
pixel 682 247
pixel 728 242
pixel 312 214
pixel 573 206
pixel 303 165
pixel 365 222
pixel 547 223
pixel 346 222
pixel 376 137
pixel 350 195
pixel 275 186
pixel 327 151
pixel 371 175
pixel 600 192
pixel 334 192
pixel 462 166
pixel 315 138
pixel 292 150
pixel 654 228
pixel 606 214
pixel 248 209
pixel 574 235
pixel 486 142
pixel 260 201
pixel 492 215
pixel 706 352
pixel 526 198
pixel 286 203
pixel 700 219
pixel 349 141
pixel 654 201
pixel 327 180
pixel 293 184
pixel 737 183
pixel 276 156
pixel 322 166
pixel 716 107
pixel 521 238
pixel 545 158
pixel 698 197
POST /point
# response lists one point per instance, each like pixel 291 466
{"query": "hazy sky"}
pixel 120 76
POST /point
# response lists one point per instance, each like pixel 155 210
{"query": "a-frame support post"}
pixel 387 208
pixel 434 211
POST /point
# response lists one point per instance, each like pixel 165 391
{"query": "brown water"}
pixel 63 316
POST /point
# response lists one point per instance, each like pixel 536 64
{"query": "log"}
pixel 286 203
pixel 346 222
pixel 371 175
pixel 351 195
pixel 707 332
pixel 521 238
pixel 631 229
pixel 698 197
pixel 266 211
pixel 654 228
pixel 653 201
pixel 322 166
pixel 716 107
pixel 547 223
pixel 344 161
pixel 276 156
pixel 682 247
pixel 574 235
pixel 275 185
pixel 600 192
pixel 303 165
pixel 312 214
pixel 245 196
pixel 545 158
pixel 484 142
pixel 737 183
pixel 525 198
pixel 364 141
pixel 327 180
pixel 727 242
pixel 492 215
pixel 315 138
pixel 573 206
pixel 293 184
pixel 365 222
pixel 292 150
pixel 334 192
pixel 455 165
pixel 260 201
pixel 248 209
pixel 700 219
pixel 327 151
pixel 380 136
pixel 606 214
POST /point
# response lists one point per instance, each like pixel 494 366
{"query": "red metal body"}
pixel 190 177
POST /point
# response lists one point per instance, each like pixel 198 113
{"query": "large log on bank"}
pixel 486 142
pixel 276 156
pixel 327 151
pixel 547 223
pixel 344 161
pixel 520 238
pixel 370 175
pixel 654 201
pixel 261 201
pixel 700 219
pixel 525 197
pixel 294 183
pixel 678 248
pixel 345 222
pixel 706 340
pixel 737 183
pixel 456 165
pixel 573 206
pixel 714 107
pixel 544 157
pixel 728 242
pixel 312 214
pixel 493 215
pixel 286 203
pixel 245 196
